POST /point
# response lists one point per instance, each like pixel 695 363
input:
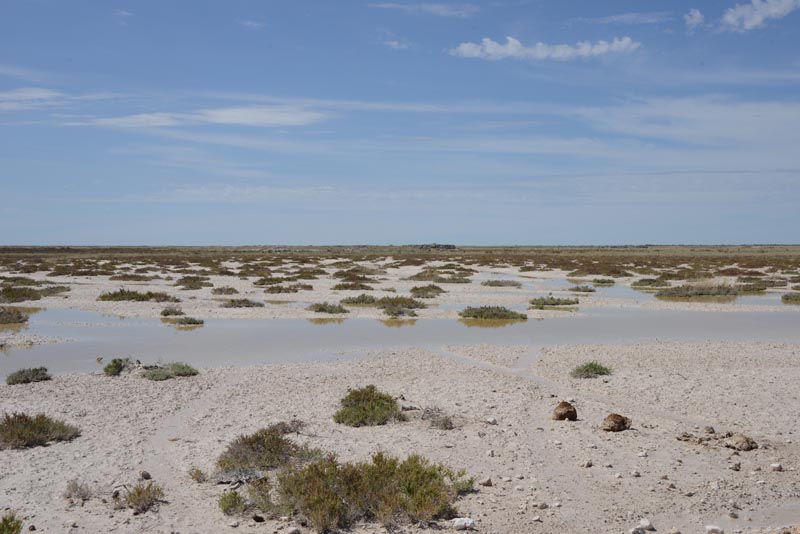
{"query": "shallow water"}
pixel 223 342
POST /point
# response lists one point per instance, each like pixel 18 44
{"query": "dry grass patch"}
pixel 136 296
pixel 491 313
pixel 19 431
pixel 27 376
pixel 368 407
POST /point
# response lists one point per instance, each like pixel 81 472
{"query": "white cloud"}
pixel 652 17
pixel 491 50
pixel 251 24
pixel 744 17
pixel 26 98
pixel 396 45
pixel 123 13
pixel 441 10
pixel 261 116
pixel 693 19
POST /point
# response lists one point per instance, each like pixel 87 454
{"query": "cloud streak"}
pixel 514 49
pixel 255 116
pixel 746 17
pixel 652 17
pixel 440 10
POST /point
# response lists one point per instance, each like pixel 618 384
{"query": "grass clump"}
pixel 438 419
pixel 11 316
pixel 193 282
pixel 426 292
pixel 171 311
pixel 197 474
pixel 791 298
pixel 401 302
pixel 491 313
pixel 361 300
pixel 169 371
pixel 9 524
pixel 265 449
pixel 243 303
pixel 582 289
pixel 368 407
pixel 188 321
pixel 590 370
pixel 397 311
pixel 77 492
pixel 352 286
pixel 648 283
pixel 144 497
pixel 603 282
pixel 232 503
pixel 541 303
pixel 116 366
pixel 130 295
pixel 501 283
pixel 333 495
pixel 326 307
pixel 292 288
pixel 18 294
pixel 225 290
pixel 697 291
pixel 129 277
pixel 19 431
pixel 27 376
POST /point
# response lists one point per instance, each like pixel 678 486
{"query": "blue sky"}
pixel 498 122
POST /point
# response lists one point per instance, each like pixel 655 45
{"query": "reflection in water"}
pixel 326 320
pixel 708 299
pixel 177 325
pixel 489 323
pixel 398 323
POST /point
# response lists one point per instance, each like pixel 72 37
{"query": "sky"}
pixel 199 122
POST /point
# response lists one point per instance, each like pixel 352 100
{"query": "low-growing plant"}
pixel 590 370
pixel 361 300
pixel 130 295
pixel 18 294
pixel 19 431
pixel 491 313
pixel 171 311
pixel 265 449
pixel 582 289
pixel 169 371
pixel 77 492
pixel 501 283
pixel 243 303
pixel 368 407
pixel 437 418
pixel 128 277
pixel 698 291
pixel 9 524
pixel 28 375
pixel 603 282
pixel 540 303
pixel 232 503
pixel 333 495
pixel 157 374
pixel 144 497
pixel 188 321
pixel 791 298
pixel 646 283
pixel 352 286
pixel 397 311
pixel 291 288
pixel 181 369
pixel 197 474
pixel 426 292
pixel 401 302
pixel 193 282
pixel 116 366
pixel 225 290
pixel 12 316
pixel 326 307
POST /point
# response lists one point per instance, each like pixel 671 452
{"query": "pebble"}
pixel 646 524
pixel 776 467
pixel 485 482
pixel 463 523
pixel 643 454
pixel 293 530
pixel 491 421
pixel 711 529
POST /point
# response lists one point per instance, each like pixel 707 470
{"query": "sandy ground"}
pixel 201 303
pixel 130 424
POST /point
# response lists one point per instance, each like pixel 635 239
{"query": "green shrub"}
pixel 171 311
pixel 582 289
pixel 11 316
pixel 333 495
pixel 18 294
pixel 368 407
pixel 130 295
pixel 541 303
pixel 501 283
pixel 243 303
pixel 401 302
pixel 361 300
pixel 590 370
pixel 193 282
pixel 9 524
pixel 116 366
pixel 197 474
pixel 292 288
pixel 181 369
pixel 225 290
pixel 188 321
pixel 19 430
pixel 144 496
pixel 491 313
pixel 697 291
pixel 26 376
pixel 126 277
pixel 325 307
pixel 19 281
pixel 426 292
pixel 603 282
pixel 157 374
pixel 265 449
pixel 397 311
pixel 791 298
pixel 232 503
pixel 352 286
pixel 646 283
pixel 169 371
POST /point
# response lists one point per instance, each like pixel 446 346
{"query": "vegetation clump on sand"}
pixel 426 292
pixel 242 303
pixel 130 295
pixel 352 286
pixel 590 370
pixel 697 291
pixel 791 298
pixel 171 311
pixel 130 277
pixel 603 282
pixel 225 290
pixel 332 495
pixel 327 307
pixel 232 503
pixel 368 406
pixel 144 496
pixel 582 289
pixel 27 376
pixel 443 276
pixel 501 283
pixel 168 371
pixel 648 283
pixel 9 524
pixel 540 303
pixel 361 300
pixel 492 313
pixel 193 282
pixel 291 288
pixel 188 321
pixel 11 295
pixel 11 316
pixel 116 366
pixel 437 418
pixel 19 431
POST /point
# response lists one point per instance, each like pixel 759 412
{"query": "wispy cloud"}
pixel 440 10
pixel 251 24
pixel 745 17
pixel 693 19
pixel 122 16
pixel 396 45
pixel 650 17
pixel 492 50
pixel 27 98
pixel 29 75
pixel 258 116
